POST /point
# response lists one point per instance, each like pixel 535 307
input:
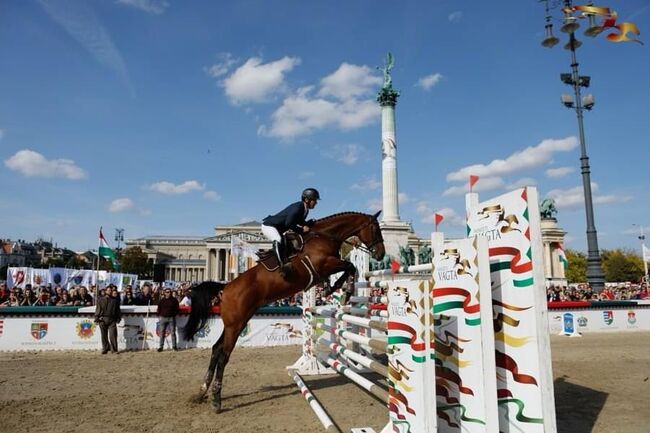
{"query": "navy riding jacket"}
pixel 292 217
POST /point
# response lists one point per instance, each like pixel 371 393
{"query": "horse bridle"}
pixel 370 249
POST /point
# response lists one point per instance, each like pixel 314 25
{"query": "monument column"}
pixel 396 232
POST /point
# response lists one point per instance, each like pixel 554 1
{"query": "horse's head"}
pixel 370 235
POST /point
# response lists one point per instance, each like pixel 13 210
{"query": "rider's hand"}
pixel 305 229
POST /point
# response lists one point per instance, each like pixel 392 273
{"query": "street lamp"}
pixel 595 275
pixel 644 257
pixel 119 237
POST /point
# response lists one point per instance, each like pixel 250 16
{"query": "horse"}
pixel 258 287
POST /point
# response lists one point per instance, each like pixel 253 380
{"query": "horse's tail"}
pixel 200 309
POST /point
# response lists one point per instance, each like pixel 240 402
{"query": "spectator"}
pixel 128 298
pixel 85 299
pixel 145 297
pixel 108 314
pixel 12 301
pixel 65 300
pixel 43 298
pixel 167 312
pixel 74 296
pixel 4 293
pixel 187 299
pixel 29 298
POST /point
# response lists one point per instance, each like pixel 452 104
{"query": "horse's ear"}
pixel 376 215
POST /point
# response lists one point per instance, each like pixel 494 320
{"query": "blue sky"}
pixel 170 117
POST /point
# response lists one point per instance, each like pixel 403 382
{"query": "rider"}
pixel 293 217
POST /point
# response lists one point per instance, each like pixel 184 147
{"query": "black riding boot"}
pixel 281 253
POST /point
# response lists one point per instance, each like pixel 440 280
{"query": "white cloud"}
pixel 211 195
pixel 300 114
pixel 120 205
pixel 222 67
pixel 165 187
pixel 340 102
pixel 636 231
pixel 33 164
pixel 559 171
pixel 526 159
pixel 429 81
pixel 155 7
pixel 255 82
pixel 348 82
pixel 455 17
pixel 427 214
pixel 484 184
pixel 524 181
pixel 367 185
pixel 80 22
pixel 573 198
pixel 402 198
pixel 348 154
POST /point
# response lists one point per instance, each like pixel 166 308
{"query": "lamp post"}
pixel 595 275
pixel 643 254
pixel 119 237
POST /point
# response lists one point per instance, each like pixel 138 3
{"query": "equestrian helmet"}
pixel 310 194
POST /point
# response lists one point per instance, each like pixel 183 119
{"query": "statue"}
pixel 407 256
pixel 424 254
pixel 547 209
pixel 388 65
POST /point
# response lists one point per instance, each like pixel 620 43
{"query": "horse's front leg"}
pixel 335 265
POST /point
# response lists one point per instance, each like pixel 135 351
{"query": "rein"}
pixel 368 249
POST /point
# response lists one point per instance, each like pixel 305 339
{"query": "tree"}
pixel 621 265
pixel 134 261
pixel 576 272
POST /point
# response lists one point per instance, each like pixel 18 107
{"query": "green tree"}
pixel 621 265
pixel 134 261
pixel 576 272
pixel 76 262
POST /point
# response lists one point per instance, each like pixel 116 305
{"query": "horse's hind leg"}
pixel 209 375
pixel 230 335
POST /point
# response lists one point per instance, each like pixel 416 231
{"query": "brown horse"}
pixel 258 287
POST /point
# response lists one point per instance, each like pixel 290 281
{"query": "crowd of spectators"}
pixel 81 296
pixel 584 292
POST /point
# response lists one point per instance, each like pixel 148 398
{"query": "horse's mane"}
pixel 336 215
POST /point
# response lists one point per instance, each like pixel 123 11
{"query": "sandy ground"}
pixel 601 385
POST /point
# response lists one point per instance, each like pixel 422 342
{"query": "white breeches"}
pixel 271 233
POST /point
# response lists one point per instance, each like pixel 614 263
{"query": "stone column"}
pixel 387 99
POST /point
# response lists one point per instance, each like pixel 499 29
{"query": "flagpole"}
pixel 643 256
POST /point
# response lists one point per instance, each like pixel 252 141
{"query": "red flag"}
pixel 394 266
pixel 437 219
pixel 472 181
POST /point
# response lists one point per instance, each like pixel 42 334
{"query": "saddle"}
pixel 294 243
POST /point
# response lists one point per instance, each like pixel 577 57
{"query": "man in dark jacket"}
pixel 293 217
pixel 108 314
pixel 167 312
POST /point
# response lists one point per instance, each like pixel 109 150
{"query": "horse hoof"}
pixel 216 408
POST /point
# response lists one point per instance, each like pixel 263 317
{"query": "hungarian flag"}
pixel 105 251
pixel 562 256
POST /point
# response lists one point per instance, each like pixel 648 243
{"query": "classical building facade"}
pixel 199 258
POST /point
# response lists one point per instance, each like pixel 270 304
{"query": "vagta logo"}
pixel 631 317
pixel 608 317
pixel 85 329
pixel 582 321
pixel 39 330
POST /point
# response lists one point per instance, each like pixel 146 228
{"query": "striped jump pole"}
pixel 375 343
pixel 369 363
pixel 362 312
pixel 315 405
pixel 364 383
pixel 377 324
